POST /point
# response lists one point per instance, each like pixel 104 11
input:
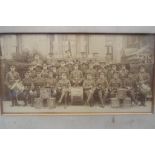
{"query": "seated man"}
pixel 143 85
pixel 63 87
pixel 50 83
pixel 89 88
pixel 76 76
pixel 115 84
pixel 129 83
pixel 39 82
pixel 102 88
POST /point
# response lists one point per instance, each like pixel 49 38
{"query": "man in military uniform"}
pixel 33 93
pixel 143 85
pixel 12 78
pixel 63 69
pixel 123 73
pixel 100 71
pixel 129 84
pixel 91 70
pixel 27 81
pixel 70 66
pixel 32 72
pixel 115 84
pixel 51 60
pixel 51 83
pixel 63 87
pixel 84 68
pixel 111 72
pixel 102 88
pixel 37 61
pixel 45 72
pixel 68 55
pixel 89 88
pixel 39 82
pixel 76 76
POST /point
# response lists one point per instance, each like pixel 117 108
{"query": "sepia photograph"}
pixel 76 73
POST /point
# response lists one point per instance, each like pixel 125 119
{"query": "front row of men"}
pixel 101 88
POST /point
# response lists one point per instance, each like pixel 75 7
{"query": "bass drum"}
pixel 77 95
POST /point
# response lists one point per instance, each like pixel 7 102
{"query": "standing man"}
pixel 62 69
pixel 32 72
pixel 27 81
pixel 84 68
pixel 12 79
pixel 51 60
pixel 91 70
pixel 45 71
pixel 76 76
pixel 123 73
pixel 37 61
pixel 111 72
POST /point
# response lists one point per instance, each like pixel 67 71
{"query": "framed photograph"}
pixel 76 73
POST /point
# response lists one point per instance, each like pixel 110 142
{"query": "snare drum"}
pixel 76 95
pixel 51 102
pixel 121 93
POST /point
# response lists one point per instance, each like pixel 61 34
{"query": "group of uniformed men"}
pixel 97 81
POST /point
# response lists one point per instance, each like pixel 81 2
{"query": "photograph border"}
pixel 20 30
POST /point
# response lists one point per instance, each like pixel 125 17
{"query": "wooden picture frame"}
pixel 58 31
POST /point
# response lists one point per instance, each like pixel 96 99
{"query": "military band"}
pixel 96 80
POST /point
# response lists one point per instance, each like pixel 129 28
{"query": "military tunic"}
pixel 123 75
pixel 115 84
pixel 92 72
pixel 62 70
pixel 102 84
pixel 45 73
pixel 76 77
pixel 64 84
pixel 11 78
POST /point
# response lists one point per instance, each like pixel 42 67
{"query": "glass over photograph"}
pixel 76 73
